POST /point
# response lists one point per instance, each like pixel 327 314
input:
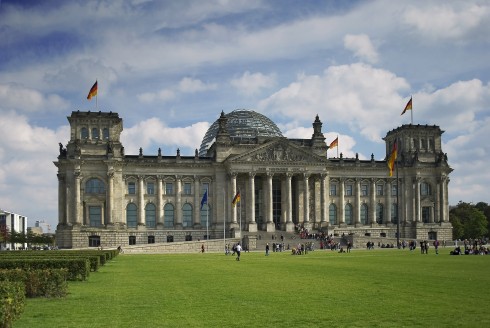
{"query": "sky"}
pixel 170 67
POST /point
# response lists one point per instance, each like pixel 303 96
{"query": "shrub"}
pixel 12 302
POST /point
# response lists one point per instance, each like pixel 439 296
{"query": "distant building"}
pixel 11 222
pixel 43 226
pixel 110 198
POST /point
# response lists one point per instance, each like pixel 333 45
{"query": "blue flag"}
pixel 204 199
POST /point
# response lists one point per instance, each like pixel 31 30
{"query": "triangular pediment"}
pixel 278 152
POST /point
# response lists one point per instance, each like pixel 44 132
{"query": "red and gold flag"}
pixel 334 143
pixel 236 199
pixel 392 159
pixel 408 106
pixel 93 91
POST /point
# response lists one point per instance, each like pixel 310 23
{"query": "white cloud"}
pixel 365 98
pixel 27 173
pixel 447 21
pixel 163 95
pixel 155 133
pixel 189 85
pixel 14 96
pixel 362 47
pixel 454 107
pixel 186 85
pixel 252 83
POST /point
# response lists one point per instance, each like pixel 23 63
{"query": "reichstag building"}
pixel 109 198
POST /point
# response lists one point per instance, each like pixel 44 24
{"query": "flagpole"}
pixel 224 220
pixel 337 146
pixel 207 225
pixel 97 96
pixel 397 200
pixel 411 112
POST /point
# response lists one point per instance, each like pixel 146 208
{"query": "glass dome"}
pixel 241 124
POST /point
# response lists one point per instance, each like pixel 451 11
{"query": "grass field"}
pixel 379 288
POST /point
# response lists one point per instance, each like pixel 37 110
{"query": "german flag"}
pixel 408 106
pixel 236 199
pixel 93 91
pixel 392 159
pixel 334 143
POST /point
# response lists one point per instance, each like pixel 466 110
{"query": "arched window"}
pixel 364 214
pixel 205 215
pixel 95 133
pixel 379 213
pixel 105 133
pixel 425 189
pixel 94 186
pixel 168 215
pixel 132 215
pixel 150 215
pixel 84 133
pixel 332 210
pixel 348 214
pixel 394 213
pixel 187 215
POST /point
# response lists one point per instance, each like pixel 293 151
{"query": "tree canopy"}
pixel 470 221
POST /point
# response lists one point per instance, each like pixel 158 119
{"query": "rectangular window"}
pixel 187 188
pixel 151 239
pixel 348 190
pixel 150 188
pixel 394 190
pixel 131 188
pixel 132 240
pixel 333 190
pixel 95 216
pixel 169 188
pixel 205 187
pixel 379 190
pixel 364 190
pixel 426 214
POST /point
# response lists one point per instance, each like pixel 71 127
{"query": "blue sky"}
pixel 170 67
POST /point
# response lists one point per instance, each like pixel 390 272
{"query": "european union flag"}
pixel 204 199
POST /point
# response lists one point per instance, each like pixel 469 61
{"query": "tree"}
pixel 471 219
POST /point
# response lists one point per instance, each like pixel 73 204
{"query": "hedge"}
pixel 78 268
pixel 12 302
pixel 39 283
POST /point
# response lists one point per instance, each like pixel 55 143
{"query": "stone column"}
pixel 324 199
pixel 418 217
pixel 160 213
pixel 197 202
pixel 372 203
pixel 110 196
pixel 342 202
pixel 78 217
pixel 357 217
pixel 61 199
pixel 389 203
pixel 444 199
pixel 141 201
pixel 289 200
pixel 178 202
pixel 252 225
pixel 306 203
pixel 269 215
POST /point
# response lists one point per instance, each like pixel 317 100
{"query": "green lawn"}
pixel 380 288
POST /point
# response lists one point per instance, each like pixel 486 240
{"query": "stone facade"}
pixel 110 198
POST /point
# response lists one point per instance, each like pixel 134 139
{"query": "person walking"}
pixel 267 249
pixel 436 246
pixel 238 251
